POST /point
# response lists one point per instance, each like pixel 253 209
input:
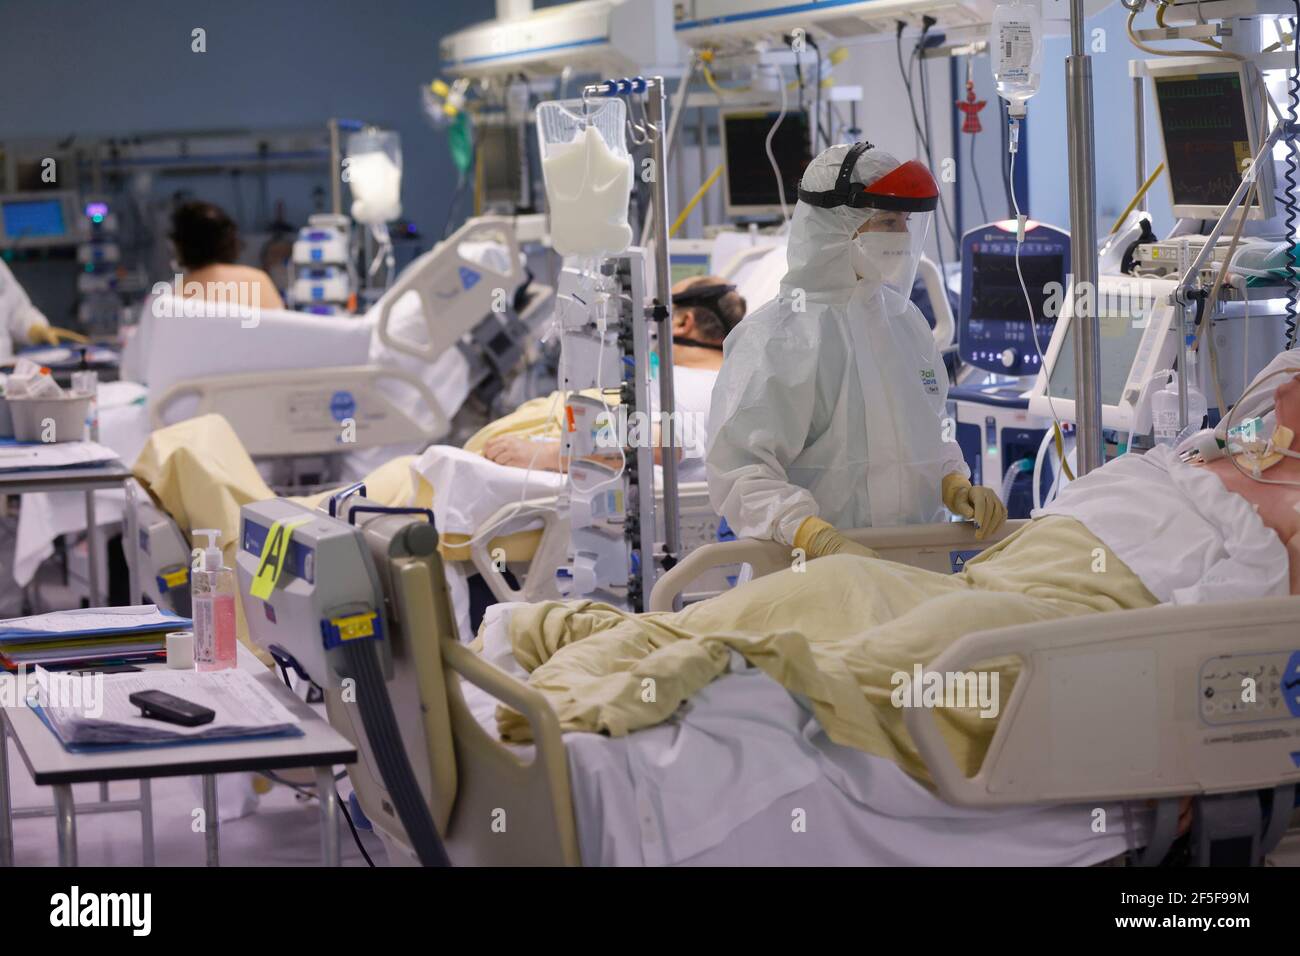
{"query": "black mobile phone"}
pixel 175 710
pixel 109 669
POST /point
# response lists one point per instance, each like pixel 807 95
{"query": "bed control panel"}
pixel 1246 688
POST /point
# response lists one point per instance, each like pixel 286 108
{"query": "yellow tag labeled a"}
pixel 271 562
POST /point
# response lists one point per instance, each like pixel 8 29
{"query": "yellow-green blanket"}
pixel 836 632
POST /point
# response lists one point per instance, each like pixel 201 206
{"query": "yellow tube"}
pixel 699 194
pixel 713 83
pixel 1137 198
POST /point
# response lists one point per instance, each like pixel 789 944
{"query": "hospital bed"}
pixel 289 382
pixel 1148 741
pixel 321 399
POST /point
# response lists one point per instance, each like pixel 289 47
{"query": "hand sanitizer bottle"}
pixel 212 594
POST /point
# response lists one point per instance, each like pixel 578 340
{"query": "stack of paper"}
pixel 98 712
pixel 89 636
pixel 29 456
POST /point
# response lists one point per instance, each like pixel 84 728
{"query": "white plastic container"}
pixel 1164 411
pixel 588 175
pixel 1016 46
pixel 62 418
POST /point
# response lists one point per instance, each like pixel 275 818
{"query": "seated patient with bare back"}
pixel 207 247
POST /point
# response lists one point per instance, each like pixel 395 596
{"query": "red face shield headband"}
pixel 908 188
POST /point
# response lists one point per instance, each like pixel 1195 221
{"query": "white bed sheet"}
pixel 743 775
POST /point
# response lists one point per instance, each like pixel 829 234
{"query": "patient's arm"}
pixel 523 453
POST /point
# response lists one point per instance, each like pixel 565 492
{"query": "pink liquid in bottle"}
pixel 218 612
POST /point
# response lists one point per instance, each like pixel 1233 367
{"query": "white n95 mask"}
pixel 891 258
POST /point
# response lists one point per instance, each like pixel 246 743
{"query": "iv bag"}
pixel 374 174
pixel 1015 44
pixel 588 175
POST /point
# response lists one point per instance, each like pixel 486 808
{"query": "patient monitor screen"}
pixel 751 183
pixel 30 218
pixel 1120 339
pixel 997 294
pixel 1207 141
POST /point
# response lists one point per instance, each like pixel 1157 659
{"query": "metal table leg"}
pixel 211 821
pixel 131 539
pixel 92 551
pixel 6 808
pixel 66 822
pixel 329 817
pixel 146 821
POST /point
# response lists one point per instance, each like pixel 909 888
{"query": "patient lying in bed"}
pixel 1141 531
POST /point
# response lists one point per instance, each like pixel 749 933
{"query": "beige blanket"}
pixel 836 632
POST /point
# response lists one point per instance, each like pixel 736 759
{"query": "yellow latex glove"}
pixel 974 503
pixel 818 538
pixel 42 335
pixel 51 334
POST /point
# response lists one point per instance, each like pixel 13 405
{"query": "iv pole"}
pixel 1083 247
pixel 659 312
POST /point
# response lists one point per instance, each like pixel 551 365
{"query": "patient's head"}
pixel 706 309
pixel 203 235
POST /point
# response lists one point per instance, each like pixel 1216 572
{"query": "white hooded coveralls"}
pixel 832 397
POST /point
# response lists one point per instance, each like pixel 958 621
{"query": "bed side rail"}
pixel 306 411
pixel 935 547
pixel 455 293
pixel 1132 704
pixel 539 580
pixel 509 811
pixel 552 550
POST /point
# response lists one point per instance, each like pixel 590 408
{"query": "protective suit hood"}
pixel 819 253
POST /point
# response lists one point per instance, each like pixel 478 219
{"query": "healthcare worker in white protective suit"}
pixel 23 324
pixel 829 410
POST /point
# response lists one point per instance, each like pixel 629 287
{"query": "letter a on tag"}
pixel 271 561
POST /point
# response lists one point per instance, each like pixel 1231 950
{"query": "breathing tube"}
pixel 1293 112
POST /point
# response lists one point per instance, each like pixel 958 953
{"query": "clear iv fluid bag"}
pixel 1016 46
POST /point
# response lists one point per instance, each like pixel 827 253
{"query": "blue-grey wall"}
pixel 75 67
pixel 1115 142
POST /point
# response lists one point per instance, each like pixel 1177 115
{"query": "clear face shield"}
pixel 888 248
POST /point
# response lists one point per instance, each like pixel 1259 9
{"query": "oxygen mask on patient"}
pixel 588 175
